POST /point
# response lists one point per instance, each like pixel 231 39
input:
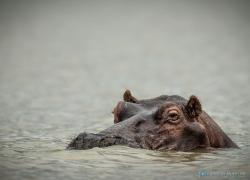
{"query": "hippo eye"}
pixel 173 116
pixel 168 115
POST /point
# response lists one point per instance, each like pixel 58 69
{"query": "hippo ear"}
pixel 127 96
pixel 193 107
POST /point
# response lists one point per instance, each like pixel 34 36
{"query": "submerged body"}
pixel 161 123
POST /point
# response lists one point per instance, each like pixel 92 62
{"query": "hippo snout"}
pixel 90 140
pixel 84 141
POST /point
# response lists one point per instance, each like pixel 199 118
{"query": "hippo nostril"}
pixel 138 123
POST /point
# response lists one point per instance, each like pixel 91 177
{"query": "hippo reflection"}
pixel 161 123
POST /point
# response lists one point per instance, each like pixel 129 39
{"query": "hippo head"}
pixel 161 123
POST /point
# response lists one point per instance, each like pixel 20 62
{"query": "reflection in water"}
pixel 64 65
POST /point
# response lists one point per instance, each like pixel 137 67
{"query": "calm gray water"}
pixel 65 65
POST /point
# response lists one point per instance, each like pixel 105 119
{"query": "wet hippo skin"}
pixel 161 123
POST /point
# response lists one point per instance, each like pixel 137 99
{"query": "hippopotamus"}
pixel 167 122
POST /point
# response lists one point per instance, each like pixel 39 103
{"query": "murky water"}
pixel 64 66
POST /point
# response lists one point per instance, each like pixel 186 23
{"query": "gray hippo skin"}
pixel 162 123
